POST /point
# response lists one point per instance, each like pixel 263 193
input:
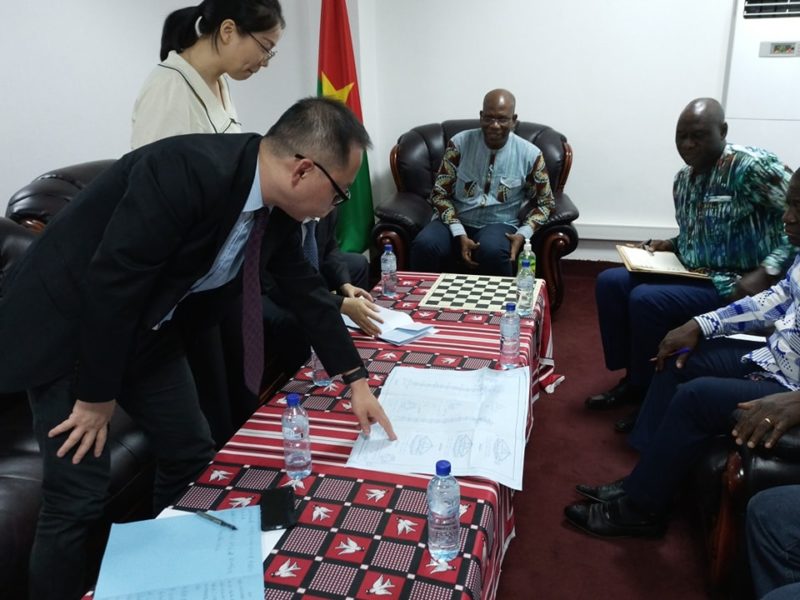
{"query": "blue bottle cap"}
pixel 387 247
pixel 526 263
pixel 293 400
pixel 511 306
pixel 443 468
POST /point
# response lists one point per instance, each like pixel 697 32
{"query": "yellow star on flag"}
pixel 329 91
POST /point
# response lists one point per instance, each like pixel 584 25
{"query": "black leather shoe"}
pixel 626 423
pixel 614 519
pixel 621 394
pixel 602 493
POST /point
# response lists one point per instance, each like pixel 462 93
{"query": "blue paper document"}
pixel 185 557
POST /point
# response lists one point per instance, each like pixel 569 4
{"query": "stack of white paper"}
pixel 397 327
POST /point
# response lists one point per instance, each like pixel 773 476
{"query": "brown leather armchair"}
pixel 414 161
pixel 36 203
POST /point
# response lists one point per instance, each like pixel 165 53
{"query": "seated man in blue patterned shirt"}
pixel 486 177
pixel 728 205
pixel 693 397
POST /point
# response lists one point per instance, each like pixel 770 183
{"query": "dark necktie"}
pixel 252 319
pixel 310 244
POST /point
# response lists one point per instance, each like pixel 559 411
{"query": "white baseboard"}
pixel 597 241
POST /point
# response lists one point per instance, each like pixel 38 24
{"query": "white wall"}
pixel 612 76
pixel 73 70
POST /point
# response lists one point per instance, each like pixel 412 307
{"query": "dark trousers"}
pixel 636 312
pixel 159 395
pixel 435 250
pixel 284 339
pixel 358 266
pixel 773 542
pixel 696 403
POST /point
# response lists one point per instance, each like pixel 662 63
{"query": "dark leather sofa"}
pixel 132 465
pixel 20 462
pixel 415 160
pixel 723 484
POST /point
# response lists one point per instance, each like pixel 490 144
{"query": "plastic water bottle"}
pixel 444 500
pixel 388 272
pixel 296 441
pixel 509 337
pixel 525 290
pixel 319 376
pixel 527 254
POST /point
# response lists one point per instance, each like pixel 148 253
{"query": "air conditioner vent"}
pixel 765 9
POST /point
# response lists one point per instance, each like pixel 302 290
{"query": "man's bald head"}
pixel 700 134
pixel 500 97
pixel 498 118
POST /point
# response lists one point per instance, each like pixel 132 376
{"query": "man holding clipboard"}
pixel 728 205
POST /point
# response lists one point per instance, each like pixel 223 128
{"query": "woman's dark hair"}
pixel 182 26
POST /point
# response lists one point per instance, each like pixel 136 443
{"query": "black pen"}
pixel 216 520
pixel 647 247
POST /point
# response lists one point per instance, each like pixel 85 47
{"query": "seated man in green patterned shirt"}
pixel 729 200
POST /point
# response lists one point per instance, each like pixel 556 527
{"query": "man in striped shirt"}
pixel 728 205
pixel 691 399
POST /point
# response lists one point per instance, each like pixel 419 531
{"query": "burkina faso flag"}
pixel 337 79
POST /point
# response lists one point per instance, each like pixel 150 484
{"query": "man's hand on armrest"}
pixel 767 419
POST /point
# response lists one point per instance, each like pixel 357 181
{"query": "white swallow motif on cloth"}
pixel 440 566
pixel 240 502
pixel 320 513
pixel 376 495
pixel 381 587
pixel 349 547
pixel 286 570
pixel 406 526
pixel 294 484
pixel 219 475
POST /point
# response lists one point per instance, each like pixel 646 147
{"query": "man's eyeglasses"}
pixel 268 53
pixel 341 195
pixel 502 121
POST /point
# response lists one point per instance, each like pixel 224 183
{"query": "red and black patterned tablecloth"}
pixel 361 533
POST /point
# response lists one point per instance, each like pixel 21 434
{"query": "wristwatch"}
pixel 360 372
pixel 772 270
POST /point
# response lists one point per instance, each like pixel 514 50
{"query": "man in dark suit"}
pixel 159 237
pixel 344 272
